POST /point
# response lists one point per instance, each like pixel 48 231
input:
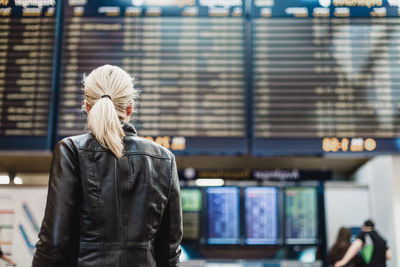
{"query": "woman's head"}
pixel 343 238
pixel 109 96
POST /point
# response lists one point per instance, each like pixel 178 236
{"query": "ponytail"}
pixel 104 123
pixel 106 113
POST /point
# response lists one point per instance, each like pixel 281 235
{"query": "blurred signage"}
pixel 281 175
pixel 291 175
pixel 261 175
pixel 348 144
pixel 225 174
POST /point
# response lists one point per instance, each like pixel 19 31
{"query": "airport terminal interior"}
pixel 283 116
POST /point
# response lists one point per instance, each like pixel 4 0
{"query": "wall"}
pixel 346 204
pixel 21 214
pixel 382 175
pixel 396 207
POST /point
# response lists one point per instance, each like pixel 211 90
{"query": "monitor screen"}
pixel 190 76
pixel 223 215
pixel 301 215
pixel 355 231
pixel 261 211
pixel 191 200
pixel 26 71
pixel 191 207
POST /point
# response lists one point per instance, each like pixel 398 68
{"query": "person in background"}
pixel 340 247
pixel 373 248
pixel 7 258
pixel 114 198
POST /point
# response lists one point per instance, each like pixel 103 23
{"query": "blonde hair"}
pixel 108 91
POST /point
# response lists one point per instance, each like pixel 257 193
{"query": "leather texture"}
pixel 107 212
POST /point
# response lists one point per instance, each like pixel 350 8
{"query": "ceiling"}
pixel 343 166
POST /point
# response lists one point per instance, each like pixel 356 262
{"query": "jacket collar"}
pixel 128 128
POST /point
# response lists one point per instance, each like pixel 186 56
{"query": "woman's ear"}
pixel 87 106
pixel 129 110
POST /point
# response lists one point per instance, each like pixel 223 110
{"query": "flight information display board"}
pixel 261 215
pixel 265 77
pixel 188 58
pixel 223 215
pixel 301 215
pixel 26 59
pixel 191 209
pixel 326 76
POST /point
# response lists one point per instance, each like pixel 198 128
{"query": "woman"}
pixel 340 247
pixel 114 198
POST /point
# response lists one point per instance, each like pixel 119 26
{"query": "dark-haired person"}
pixel 373 248
pixel 6 258
pixel 114 198
pixel 340 247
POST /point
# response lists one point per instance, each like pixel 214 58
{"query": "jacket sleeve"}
pixel 167 244
pixel 58 243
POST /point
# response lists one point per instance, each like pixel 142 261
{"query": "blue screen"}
pixel 261 211
pixel 223 215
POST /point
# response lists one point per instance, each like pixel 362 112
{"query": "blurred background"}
pixel 283 115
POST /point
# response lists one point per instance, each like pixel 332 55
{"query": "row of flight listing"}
pixel 251 215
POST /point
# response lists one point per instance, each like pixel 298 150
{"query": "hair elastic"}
pixel 103 96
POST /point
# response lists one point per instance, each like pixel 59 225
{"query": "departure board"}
pixel 326 76
pixel 223 215
pixel 188 58
pixel 26 58
pixel 261 211
pixel 191 209
pixel 265 77
pixel 301 215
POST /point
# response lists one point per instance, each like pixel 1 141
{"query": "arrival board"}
pixel 188 61
pixel 191 209
pixel 26 60
pixel 326 76
pixel 223 215
pixel 301 215
pixel 261 215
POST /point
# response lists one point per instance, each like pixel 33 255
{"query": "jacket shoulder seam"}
pixel 128 153
pixel 172 166
pixel 147 154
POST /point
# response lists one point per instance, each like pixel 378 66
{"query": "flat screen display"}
pixel 26 67
pixel 325 76
pixel 301 215
pixel 261 215
pixel 191 208
pixel 223 210
pixel 188 62
pixel 191 200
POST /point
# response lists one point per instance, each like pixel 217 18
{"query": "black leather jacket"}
pixel 107 212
